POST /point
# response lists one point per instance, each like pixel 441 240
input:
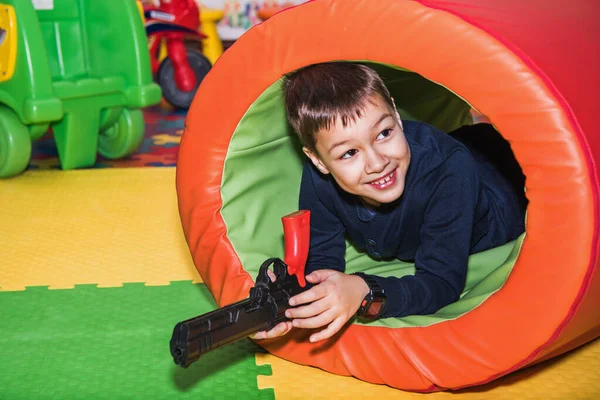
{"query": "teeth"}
pixel 384 180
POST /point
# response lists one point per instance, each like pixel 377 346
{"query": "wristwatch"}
pixel 374 301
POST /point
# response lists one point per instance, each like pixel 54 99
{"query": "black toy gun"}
pixel 265 307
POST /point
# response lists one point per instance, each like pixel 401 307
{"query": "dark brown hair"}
pixel 317 95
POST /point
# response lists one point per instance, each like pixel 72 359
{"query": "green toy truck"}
pixel 80 67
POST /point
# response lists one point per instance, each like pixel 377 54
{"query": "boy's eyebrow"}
pixel 336 145
pixel 383 116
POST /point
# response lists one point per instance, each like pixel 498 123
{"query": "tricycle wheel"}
pixel 166 79
pixel 15 144
pixel 124 137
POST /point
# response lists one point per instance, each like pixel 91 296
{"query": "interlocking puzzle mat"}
pixel 104 227
pixel 113 343
pixel 95 273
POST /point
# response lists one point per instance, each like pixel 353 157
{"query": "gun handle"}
pixel 296 235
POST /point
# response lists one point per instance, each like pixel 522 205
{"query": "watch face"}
pixel 374 301
pixel 374 308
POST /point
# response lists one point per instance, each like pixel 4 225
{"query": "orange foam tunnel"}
pixel 530 67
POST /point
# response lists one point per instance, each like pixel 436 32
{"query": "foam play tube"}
pixel 530 67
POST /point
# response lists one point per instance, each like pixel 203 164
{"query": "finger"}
pixel 328 332
pixel 309 296
pixel 288 328
pixel 315 322
pixel 279 330
pixel 309 310
pixel 259 335
pixel 319 275
pixel 271 275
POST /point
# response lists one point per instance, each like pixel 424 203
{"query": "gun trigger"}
pixel 262 279
pixel 280 268
pixel 263 282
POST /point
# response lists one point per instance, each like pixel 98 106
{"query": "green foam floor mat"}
pixel 113 343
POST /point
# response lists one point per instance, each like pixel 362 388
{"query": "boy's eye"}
pixel 385 133
pixel 348 154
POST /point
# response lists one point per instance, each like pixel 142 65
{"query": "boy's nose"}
pixel 376 162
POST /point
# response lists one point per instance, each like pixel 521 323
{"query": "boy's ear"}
pixel 315 160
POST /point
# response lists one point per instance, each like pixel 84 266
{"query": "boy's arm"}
pixel 442 258
pixel 327 244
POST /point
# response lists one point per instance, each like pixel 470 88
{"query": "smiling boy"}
pixel 396 189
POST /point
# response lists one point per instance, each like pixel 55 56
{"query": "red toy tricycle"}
pixel 176 23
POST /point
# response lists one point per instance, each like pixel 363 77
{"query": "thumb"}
pixel 319 275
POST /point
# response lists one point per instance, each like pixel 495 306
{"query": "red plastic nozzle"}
pixel 296 235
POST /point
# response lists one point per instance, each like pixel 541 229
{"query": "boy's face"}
pixel 369 157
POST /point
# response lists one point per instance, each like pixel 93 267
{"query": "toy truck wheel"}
pixel 124 137
pixel 166 79
pixel 15 144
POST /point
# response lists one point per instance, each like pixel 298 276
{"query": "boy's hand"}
pixel 334 299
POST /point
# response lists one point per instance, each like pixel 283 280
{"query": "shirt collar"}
pixel 365 212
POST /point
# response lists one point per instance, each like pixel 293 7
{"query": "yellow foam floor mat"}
pixel 572 376
pixel 104 227
pixel 114 226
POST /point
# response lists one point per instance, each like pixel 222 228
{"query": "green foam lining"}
pixel 261 182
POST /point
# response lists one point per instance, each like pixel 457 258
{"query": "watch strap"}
pixel 375 297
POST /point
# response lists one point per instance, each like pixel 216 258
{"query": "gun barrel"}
pixel 196 336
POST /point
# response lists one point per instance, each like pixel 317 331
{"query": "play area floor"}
pixel 95 273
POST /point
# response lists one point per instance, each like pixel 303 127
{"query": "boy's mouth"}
pixel 384 182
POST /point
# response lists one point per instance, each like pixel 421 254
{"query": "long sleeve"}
pixel 327 244
pixel 445 240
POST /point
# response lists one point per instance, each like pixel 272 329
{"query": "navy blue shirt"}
pixel 455 203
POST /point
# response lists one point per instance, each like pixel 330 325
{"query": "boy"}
pixel 398 190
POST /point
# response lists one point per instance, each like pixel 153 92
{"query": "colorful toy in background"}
pixel 175 45
pixel 241 15
pixel 77 68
